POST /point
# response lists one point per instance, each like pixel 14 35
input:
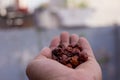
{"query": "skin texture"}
pixel 44 68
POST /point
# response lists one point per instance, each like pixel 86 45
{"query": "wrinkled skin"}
pixel 45 68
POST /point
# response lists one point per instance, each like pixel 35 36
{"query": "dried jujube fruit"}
pixel 71 56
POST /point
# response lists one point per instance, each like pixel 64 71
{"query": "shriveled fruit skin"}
pixel 71 56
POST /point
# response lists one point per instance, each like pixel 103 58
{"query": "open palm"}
pixel 45 68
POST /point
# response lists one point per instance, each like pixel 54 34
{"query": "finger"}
pixel 55 42
pixel 64 37
pixel 91 64
pixel 74 39
pixel 45 53
pixel 86 46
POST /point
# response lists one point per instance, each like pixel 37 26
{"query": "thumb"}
pixel 91 64
pixel 83 42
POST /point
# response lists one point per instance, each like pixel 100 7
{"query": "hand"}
pixel 43 67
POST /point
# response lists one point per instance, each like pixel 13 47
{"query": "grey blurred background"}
pixel 26 26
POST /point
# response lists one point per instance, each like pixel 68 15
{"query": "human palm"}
pixel 43 67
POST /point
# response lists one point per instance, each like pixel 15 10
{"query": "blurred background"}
pixel 26 26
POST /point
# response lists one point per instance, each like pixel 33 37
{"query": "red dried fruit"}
pixel 74 60
pixel 71 56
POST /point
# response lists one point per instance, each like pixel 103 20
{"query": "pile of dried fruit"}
pixel 71 56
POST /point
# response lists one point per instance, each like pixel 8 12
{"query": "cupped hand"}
pixel 43 67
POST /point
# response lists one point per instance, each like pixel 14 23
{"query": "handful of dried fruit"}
pixel 71 56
